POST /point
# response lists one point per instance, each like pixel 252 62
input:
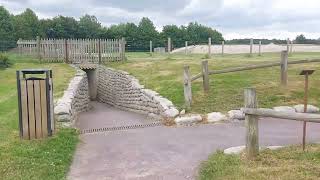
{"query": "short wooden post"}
pixel 259 48
pixel 251 123
pixel 187 87
pixel 123 49
pixel 38 48
pixel 20 46
pixel 222 48
pixel 150 44
pixel 99 51
pixel 284 68
pixel 169 45
pixel 291 47
pixel 205 76
pixel 209 47
pixel 251 46
pixel 288 45
pixel 66 49
pixel 186 47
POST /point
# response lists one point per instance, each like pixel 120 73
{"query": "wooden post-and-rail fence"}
pixel 206 72
pixel 252 114
pixel 75 51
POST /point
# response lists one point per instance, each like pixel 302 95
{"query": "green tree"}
pixel 146 33
pixel 26 25
pixel 301 39
pixel 7 39
pixel 63 27
pixel 89 27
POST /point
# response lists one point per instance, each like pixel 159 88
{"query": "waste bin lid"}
pixel 35 71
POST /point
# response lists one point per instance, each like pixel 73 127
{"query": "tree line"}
pixel 28 26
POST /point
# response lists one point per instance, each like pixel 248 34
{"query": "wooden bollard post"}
pixel 251 46
pixel 66 49
pixel 291 47
pixel 205 76
pixel 123 49
pixel 187 87
pixel 150 44
pixel 259 48
pixel 209 47
pixel 251 123
pixel 38 48
pixel 169 45
pixel 222 48
pixel 284 68
pixel 99 51
pixel 20 46
pixel 288 44
pixel 186 47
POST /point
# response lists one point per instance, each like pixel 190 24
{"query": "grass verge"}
pixel 285 163
pixel 164 74
pixel 37 159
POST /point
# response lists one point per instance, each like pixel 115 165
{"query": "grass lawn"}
pixel 286 163
pixel 36 159
pixel 164 74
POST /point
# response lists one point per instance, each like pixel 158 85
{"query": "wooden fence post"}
pixel 38 48
pixel 251 46
pixel 186 47
pixel 20 46
pixel 169 45
pixel 123 48
pixel 150 48
pixel 209 47
pixel 284 68
pixel 291 46
pixel 205 76
pixel 288 44
pixel 66 51
pixel 222 48
pixel 99 51
pixel 251 122
pixel 259 48
pixel 187 87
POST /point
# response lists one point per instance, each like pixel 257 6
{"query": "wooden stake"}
pixel 259 48
pixel 284 68
pixel 186 47
pixel 251 46
pixel 251 122
pixel 209 47
pixel 222 48
pixel 205 76
pixel 187 87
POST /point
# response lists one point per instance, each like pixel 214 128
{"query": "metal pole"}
pixel 306 86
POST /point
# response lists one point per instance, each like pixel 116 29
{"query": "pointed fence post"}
pixel 209 47
pixel 169 45
pixel 38 48
pixel 66 50
pixel 186 47
pixel 99 51
pixel 222 48
pixel 150 48
pixel 251 46
pixel 259 48
pixel 251 123
pixel 284 68
pixel 205 76
pixel 187 87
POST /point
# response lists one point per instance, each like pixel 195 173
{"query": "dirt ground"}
pixel 238 49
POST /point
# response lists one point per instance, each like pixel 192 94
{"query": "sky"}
pixel 233 18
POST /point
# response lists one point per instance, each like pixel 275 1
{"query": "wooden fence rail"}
pixel 205 72
pixel 252 114
pixel 75 51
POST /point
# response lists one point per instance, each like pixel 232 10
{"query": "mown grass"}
pixel 37 159
pixel 164 74
pixel 285 163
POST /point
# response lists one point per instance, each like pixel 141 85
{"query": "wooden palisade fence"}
pixel 75 51
pixel 252 114
pixel 206 73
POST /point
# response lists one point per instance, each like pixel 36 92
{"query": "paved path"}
pixel 164 152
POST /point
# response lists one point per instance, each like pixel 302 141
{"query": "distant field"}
pixel 163 73
pixel 239 49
